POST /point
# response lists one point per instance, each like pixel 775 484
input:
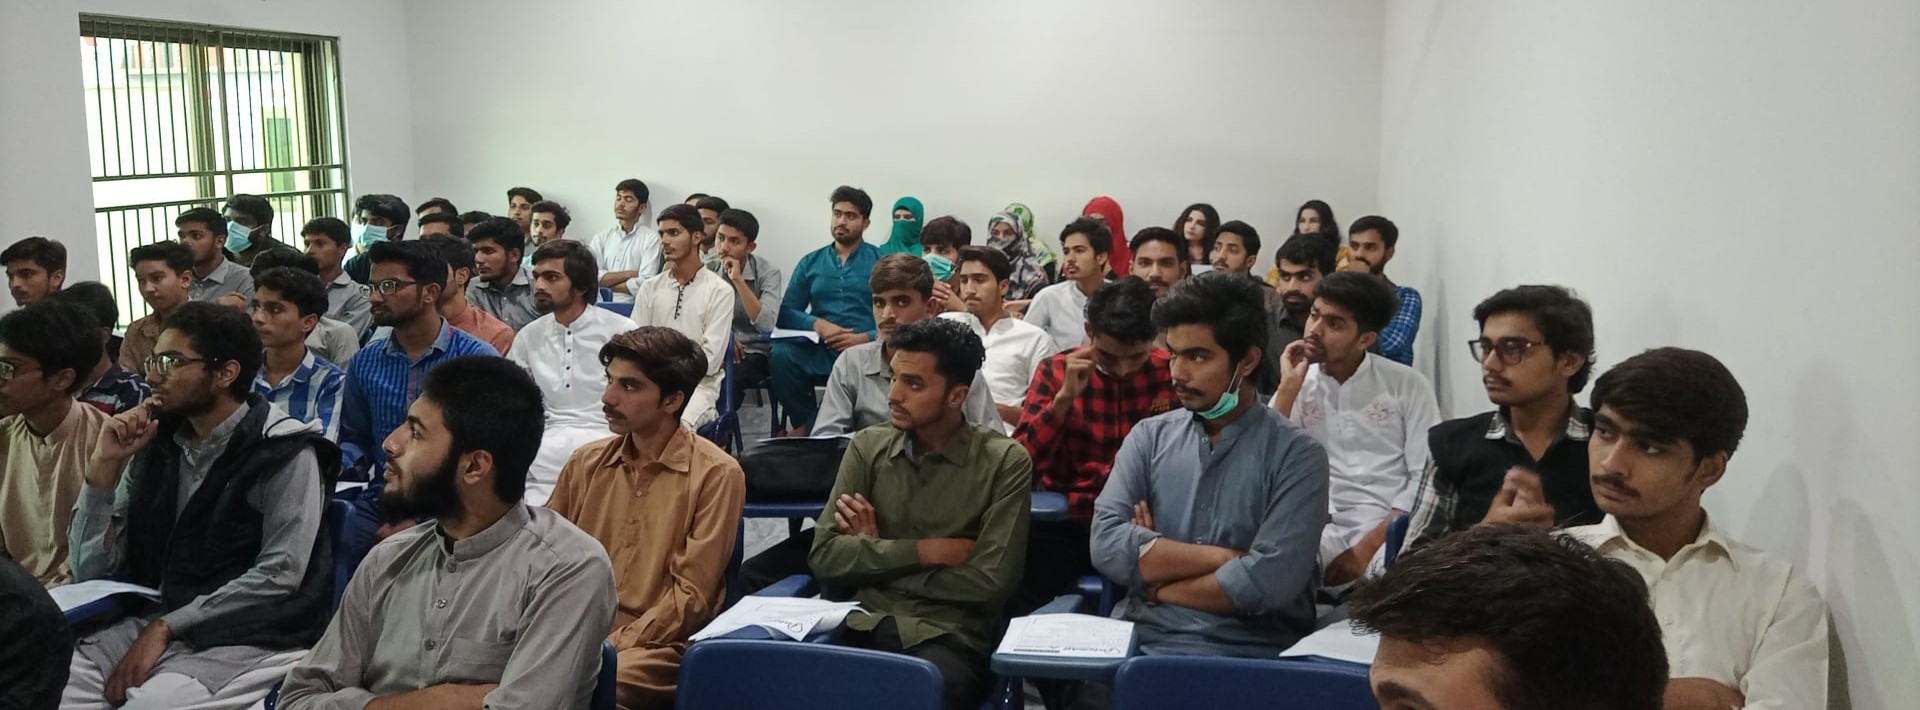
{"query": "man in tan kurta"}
pixel 46 436
pixel 665 503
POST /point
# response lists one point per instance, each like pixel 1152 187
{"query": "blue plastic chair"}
pixel 1232 683
pixel 625 309
pixel 724 430
pixel 730 674
pixel 1396 537
pixel 347 527
pixel 604 683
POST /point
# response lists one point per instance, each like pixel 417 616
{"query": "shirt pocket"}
pixel 476 661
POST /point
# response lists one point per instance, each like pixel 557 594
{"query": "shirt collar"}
pixel 1711 537
pixel 875 365
pixel 490 539
pixel 440 342
pixel 957 451
pixel 676 457
pixel 519 279
pixel 1579 424
pixel 302 373
pixel 218 437
pixel 342 281
pixel 219 273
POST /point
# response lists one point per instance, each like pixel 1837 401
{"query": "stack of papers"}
pixel 790 334
pixel 1067 636
pixel 785 616
pixel 1339 642
pixel 79 594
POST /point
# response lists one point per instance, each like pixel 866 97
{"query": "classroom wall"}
pixel 1254 106
pixel 45 187
pixel 1735 177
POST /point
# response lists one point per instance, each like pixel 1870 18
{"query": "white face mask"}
pixel 239 237
pixel 364 235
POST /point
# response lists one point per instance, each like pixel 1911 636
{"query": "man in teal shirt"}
pixel 829 296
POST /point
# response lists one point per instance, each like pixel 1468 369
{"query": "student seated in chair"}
pixel 106 387
pixel 827 294
pixel 929 518
pixel 757 285
pixel 663 500
pixel 215 497
pixel 46 436
pixel 562 351
pixel 1212 515
pixel 287 304
pixel 494 603
pixel 1741 627
pixel 1370 413
pixel 687 297
pixel 1014 347
pixel 335 341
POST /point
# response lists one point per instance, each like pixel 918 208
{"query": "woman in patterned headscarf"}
pixel 905 238
pixel 1036 244
pixel 1004 233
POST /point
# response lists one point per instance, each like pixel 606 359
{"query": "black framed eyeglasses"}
pixel 164 364
pixel 1511 350
pixel 10 370
pixel 386 287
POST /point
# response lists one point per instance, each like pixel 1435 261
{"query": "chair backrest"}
pixel 1396 536
pixel 604 696
pixel 352 538
pixel 734 673
pixel 729 401
pixel 625 309
pixel 732 580
pixel 1232 683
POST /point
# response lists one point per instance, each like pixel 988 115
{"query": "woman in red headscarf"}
pixel 1103 208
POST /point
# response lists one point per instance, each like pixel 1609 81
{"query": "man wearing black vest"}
pixel 215 497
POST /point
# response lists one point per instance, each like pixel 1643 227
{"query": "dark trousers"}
pixel 751 371
pixel 1058 555
pixel 963 672
pixel 795 364
pixel 783 560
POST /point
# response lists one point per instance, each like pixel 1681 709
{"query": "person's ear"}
pixel 957 395
pixel 57 277
pixel 1710 470
pixel 310 322
pixel 225 375
pixel 474 466
pixel 676 403
pixel 1571 362
pixel 63 380
pixel 1251 361
pixel 1367 339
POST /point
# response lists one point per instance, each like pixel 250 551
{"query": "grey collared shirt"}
pixel 768 285
pixel 512 303
pixel 1261 490
pixel 524 604
pixel 857 395
pixel 347 302
pixel 226 278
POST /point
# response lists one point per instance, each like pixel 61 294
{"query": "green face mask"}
pixel 1229 400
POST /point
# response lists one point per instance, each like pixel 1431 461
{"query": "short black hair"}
pixel 389 207
pixel 490 404
pixel 946 231
pixel 1160 234
pixel 1572 629
pixel 1389 234
pixel 1097 234
pixel 529 193
pixel 857 196
pixel 278 258
pixel 712 202
pixel 57 333
pixel 215 223
pixel 907 271
pixel 474 217
pixel 1310 250
pixel 330 227
pixel 1564 321
pixel 1369 296
pixel 743 221
pixel 253 206
pixel 670 359
pixel 425 264
pixel 221 334
pixel 296 286
pixel 635 186
pixel 500 230
pixel 695 197
pixel 456 252
pixel 441 204
pixel 1674 394
pixel 688 217
pixel 178 257
pixel 577 262
pixel 96 297
pixel 43 252
pixel 1231 304
pixel 957 352
pixel 996 261
pixel 454 225
pixel 1249 237
pixel 561 217
pixel 1123 310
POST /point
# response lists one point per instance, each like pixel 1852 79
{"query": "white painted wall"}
pixel 969 106
pixel 44 182
pixel 1736 177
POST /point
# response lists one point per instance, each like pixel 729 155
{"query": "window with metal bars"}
pixel 182 116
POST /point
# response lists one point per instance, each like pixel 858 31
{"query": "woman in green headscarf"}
pixel 907 217
pixel 1037 245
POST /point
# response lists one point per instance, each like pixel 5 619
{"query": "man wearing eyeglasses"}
pixel 214 496
pixel 1525 462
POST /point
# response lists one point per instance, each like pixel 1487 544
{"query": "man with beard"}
pixel 629 252
pixel 213 496
pixel 520 201
pixel 500 286
pixel 828 295
pixel 1061 309
pixel 1370 243
pixel 47 351
pixel 1164 261
pixel 1371 414
pixel 1525 462
pixel 688 297
pixel 562 351
pixel 665 501
pixel 550 222
pixel 493 603
pixel 1014 347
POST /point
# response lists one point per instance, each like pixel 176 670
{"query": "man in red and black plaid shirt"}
pixel 1079 408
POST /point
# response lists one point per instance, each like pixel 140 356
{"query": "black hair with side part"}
pixel 490 404
pixel 214 222
pixel 907 271
pixel 96 297
pixel 253 206
pixel 712 202
pixel 499 230
pixel 454 225
pixel 1099 237
pixel 668 358
pixel 1123 310
pixel 957 352
pixel 298 287
pixel 1389 233
pixel 425 263
pixel 330 227
pixel 1369 297
pixel 1232 305
pixel 1249 237
pixel 947 231
pixel 439 204
pixel 577 262
pixel 529 194
pixel 474 217
pixel 43 252
pixel 854 195
pixel 1565 322
pixel 743 221
pixel 1571 629
pixel 1672 394
pixel 1160 234
pixel 634 186
pixel 1308 249
pixel 996 261
pixel 178 257
pixel 59 334
pixel 687 216
pixel 388 207
pixel 287 258
pixel 561 217
pixel 221 334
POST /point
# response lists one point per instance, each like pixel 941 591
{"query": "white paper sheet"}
pixel 790 334
pixel 1339 642
pixel 78 594
pixel 1067 636
pixel 787 616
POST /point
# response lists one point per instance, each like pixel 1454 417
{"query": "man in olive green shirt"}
pixel 929 522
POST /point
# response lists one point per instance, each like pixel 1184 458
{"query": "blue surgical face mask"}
pixel 942 266
pixel 365 235
pixel 1229 400
pixel 239 237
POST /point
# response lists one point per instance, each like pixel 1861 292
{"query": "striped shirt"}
pixel 311 394
pixel 382 382
pixel 1396 340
